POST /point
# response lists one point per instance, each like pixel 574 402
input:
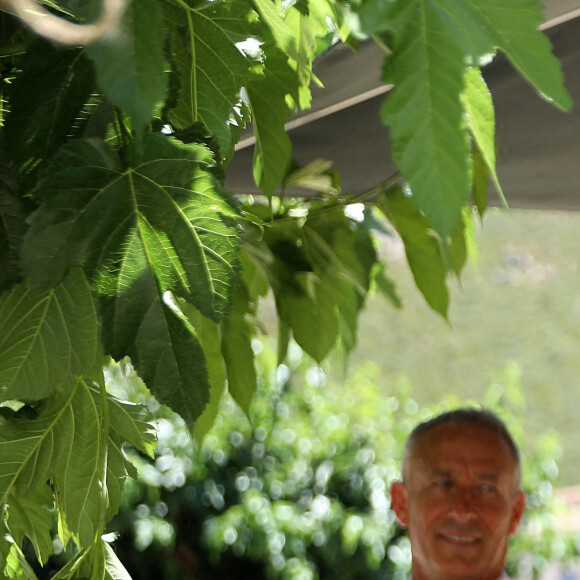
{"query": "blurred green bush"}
pixel 301 491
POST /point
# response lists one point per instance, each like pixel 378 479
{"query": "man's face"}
pixel 460 503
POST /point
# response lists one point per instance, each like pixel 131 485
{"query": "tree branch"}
pixel 62 31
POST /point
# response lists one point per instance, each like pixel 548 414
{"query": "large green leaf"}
pixel 67 444
pixel 429 141
pixel 130 63
pixel 163 218
pixel 211 68
pixel 422 247
pixel 47 338
pixel 270 111
pixel 437 40
pixel 46 98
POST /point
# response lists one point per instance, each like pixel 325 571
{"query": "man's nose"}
pixel 464 504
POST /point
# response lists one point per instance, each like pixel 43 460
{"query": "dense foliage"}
pixel 301 492
pixel 118 238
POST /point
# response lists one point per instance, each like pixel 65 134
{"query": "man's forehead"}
pixel 457 442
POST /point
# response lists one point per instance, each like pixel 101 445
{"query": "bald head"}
pixel 473 417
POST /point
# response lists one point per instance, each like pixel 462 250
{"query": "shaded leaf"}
pixel 47 338
pixel 514 28
pixel 130 62
pixel 387 286
pixel 29 516
pixel 457 247
pixel 170 359
pixel 309 308
pixel 46 99
pixel 237 350
pixel 12 230
pixel 421 247
pixel 480 182
pixel 438 40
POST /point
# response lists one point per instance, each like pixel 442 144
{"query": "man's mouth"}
pixel 464 540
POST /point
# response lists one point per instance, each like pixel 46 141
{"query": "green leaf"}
pixel 308 307
pixel 480 182
pixel 280 31
pixel 17 566
pixel 67 444
pixel 114 569
pixel 12 230
pixel 170 359
pixel 47 338
pixel 306 303
pixel 237 350
pixel 386 286
pixel 210 66
pixel 62 444
pixel 210 338
pixel 29 516
pixel 480 114
pixel 514 29
pixel 128 423
pixel 421 247
pixel 438 40
pixel 163 218
pixel 46 98
pixel 429 141
pixel 270 111
pixel 457 247
pixel 131 65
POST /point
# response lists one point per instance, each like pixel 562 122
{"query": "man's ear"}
pixel 517 512
pixel 400 503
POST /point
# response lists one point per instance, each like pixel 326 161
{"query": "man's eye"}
pixel 443 483
pixel 488 488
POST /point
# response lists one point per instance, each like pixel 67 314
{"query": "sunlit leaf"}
pixel 480 114
pixel 267 94
pixel 210 339
pixel 66 444
pixel 211 68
